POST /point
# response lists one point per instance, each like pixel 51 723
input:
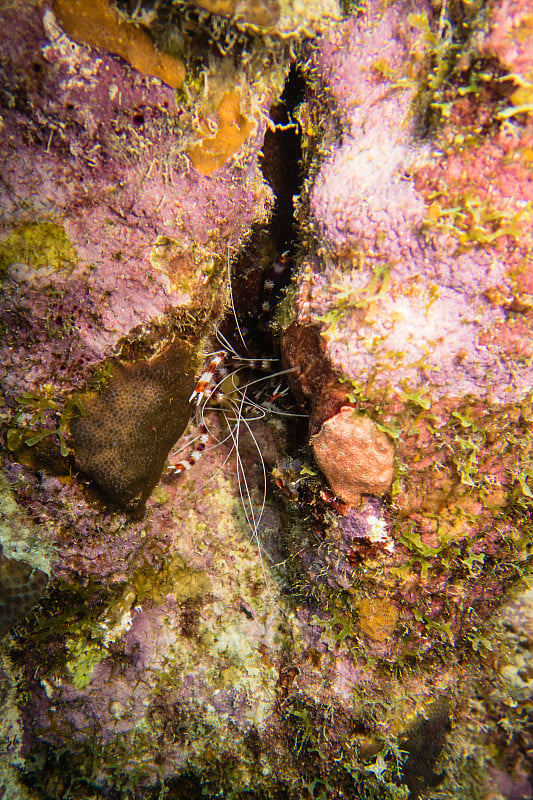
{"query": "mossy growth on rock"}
pixel 439 549
pixel 38 244
pixel 123 439
pixel 449 539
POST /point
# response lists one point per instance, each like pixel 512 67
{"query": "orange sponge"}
pixel 212 152
pixel 94 22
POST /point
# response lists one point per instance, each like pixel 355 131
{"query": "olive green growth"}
pixel 174 577
pixel 37 245
pixel 39 405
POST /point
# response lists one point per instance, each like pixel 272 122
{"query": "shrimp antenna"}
pixel 241 337
pixel 252 517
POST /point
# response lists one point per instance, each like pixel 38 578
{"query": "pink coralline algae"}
pixel 509 36
pixel 103 143
pixel 428 235
pixel 417 283
pixel 418 293
pixel 112 244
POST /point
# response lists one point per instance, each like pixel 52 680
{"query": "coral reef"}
pixel 416 294
pixel 205 634
pixel 413 309
pixel 112 159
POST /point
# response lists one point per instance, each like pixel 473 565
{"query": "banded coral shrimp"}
pixel 234 394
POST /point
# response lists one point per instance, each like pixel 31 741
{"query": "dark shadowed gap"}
pixel 262 269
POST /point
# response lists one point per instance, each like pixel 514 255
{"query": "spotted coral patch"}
pixel 122 440
pixel 21 587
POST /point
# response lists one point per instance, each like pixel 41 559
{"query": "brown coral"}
pixel 21 587
pixel 94 22
pixel 123 439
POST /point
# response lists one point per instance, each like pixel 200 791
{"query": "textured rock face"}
pixel 414 308
pixel 111 160
pixel 418 294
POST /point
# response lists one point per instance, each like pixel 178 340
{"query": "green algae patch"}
pixel 85 657
pixel 38 245
pixel 173 578
pixel 188 267
pixel 92 640
pixel 40 442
